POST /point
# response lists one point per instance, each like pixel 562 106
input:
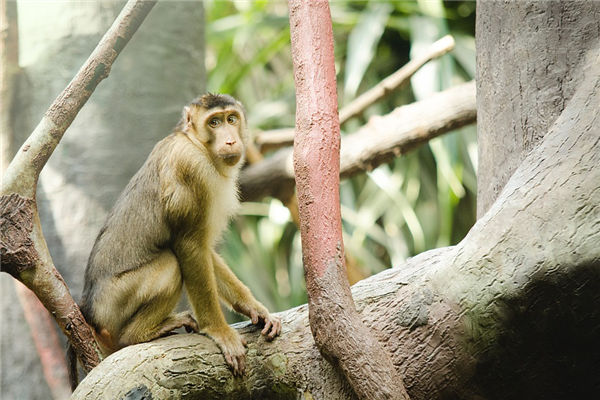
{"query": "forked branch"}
pixel 23 250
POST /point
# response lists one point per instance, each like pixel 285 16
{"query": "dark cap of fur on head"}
pixel 210 100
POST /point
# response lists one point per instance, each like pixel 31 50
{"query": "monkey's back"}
pixel 134 233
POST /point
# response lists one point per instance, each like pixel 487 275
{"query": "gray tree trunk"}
pixel 529 56
pixel 511 312
pixel 160 70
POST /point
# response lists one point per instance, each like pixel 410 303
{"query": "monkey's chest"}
pixel 223 203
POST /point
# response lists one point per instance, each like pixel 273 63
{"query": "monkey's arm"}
pixel 199 278
pixel 234 292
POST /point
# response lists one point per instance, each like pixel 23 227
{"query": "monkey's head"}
pixel 217 122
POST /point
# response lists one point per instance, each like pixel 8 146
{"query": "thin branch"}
pixel 277 138
pixel 396 80
pixel 46 341
pixel 377 142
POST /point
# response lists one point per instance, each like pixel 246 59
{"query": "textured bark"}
pixel 511 312
pixel 17 250
pixel 377 142
pixel 529 55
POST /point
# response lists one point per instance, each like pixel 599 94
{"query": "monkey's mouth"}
pixel 231 158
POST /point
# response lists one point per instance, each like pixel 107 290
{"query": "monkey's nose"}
pixel 230 142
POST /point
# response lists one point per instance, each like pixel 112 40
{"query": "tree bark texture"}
pixel 336 326
pixel 511 312
pixel 528 64
pixel 377 142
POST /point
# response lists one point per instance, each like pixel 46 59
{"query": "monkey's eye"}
pixel 214 122
pixel 232 119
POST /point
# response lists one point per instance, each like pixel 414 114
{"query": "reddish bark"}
pixel 47 344
pixel 338 331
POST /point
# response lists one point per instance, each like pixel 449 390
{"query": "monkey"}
pixel 161 235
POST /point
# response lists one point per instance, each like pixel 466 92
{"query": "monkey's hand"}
pixel 260 315
pixel 233 347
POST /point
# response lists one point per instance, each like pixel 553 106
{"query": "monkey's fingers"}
pixel 236 363
pixel 276 329
pixel 231 361
pixel 267 328
pixel 241 361
pixel 272 328
pixel 254 317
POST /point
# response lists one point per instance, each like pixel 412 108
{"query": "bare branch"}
pixel 379 141
pixel 396 80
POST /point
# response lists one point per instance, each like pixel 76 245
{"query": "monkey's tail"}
pixel 72 367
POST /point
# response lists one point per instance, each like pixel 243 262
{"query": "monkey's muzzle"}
pixel 231 158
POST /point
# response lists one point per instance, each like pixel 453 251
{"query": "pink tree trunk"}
pixel 338 331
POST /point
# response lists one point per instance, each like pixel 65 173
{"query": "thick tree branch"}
pixel 379 141
pixel 274 139
pixel 23 249
pixel 511 312
pixel 45 339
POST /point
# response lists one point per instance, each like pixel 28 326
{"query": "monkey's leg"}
pixel 144 299
pixel 234 292
pixel 200 283
pixel 143 327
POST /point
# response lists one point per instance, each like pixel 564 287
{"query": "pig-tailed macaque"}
pixel 161 237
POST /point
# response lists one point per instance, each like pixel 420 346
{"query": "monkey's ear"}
pixel 187 117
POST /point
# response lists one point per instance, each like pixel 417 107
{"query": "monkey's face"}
pixel 225 136
pixel 220 130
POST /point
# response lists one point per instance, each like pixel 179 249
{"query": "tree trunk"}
pixel 529 57
pixel 511 312
pixel 335 324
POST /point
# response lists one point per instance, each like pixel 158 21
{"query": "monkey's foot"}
pixel 188 322
pixel 179 320
pixel 233 347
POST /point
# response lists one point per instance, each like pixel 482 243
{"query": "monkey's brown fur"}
pixel 161 236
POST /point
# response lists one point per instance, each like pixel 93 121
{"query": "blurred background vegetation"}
pixel 423 200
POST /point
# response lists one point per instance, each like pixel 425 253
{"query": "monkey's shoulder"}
pixel 191 189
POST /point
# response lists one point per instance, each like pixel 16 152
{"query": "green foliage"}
pixel 420 201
